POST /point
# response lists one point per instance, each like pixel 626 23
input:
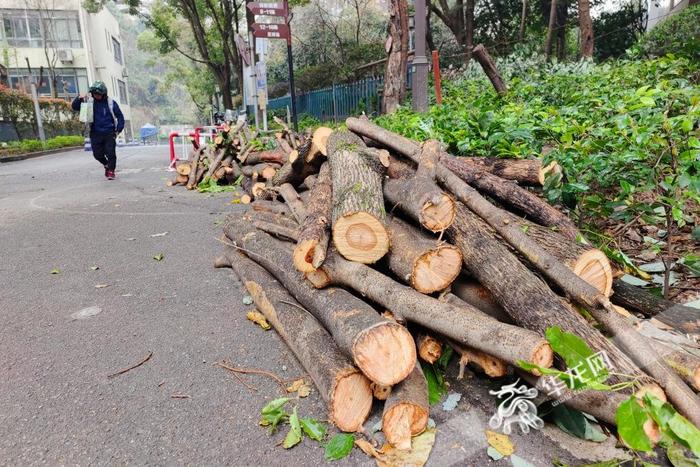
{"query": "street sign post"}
pixel 266 30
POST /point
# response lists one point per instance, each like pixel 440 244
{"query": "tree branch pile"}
pixel 358 222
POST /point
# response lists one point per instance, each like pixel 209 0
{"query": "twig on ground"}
pixel 180 396
pixel 254 371
pixel 144 360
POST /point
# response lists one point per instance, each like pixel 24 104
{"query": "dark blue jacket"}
pixel 102 117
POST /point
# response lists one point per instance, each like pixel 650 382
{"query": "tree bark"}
pixel 382 349
pixel 487 64
pixel 479 297
pixel 292 199
pixel 550 29
pixel 345 390
pixel 406 410
pixel 419 260
pixel 509 193
pixel 296 169
pixel 310 251
pixel 358 212
pixel 585 28
pixel 521 293
pixel 193 171
pixel 463 324
pixel 523 19
pixel 419 196
pixel 683 318
pixel 577 289
pixel 397 50
pixel 525 171
pixel 277 156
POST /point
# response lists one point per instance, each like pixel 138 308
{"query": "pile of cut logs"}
pixel 443 250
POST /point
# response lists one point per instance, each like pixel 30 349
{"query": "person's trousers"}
pixel 104 149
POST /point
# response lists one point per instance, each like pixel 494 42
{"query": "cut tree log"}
pixel 219 155
pixel 464 324
pixel 382 349
pixel 184 168
pixel 400 168
pixel 358 211
pixel 342 386
pixel 181 179
pixel 680 317
pixel 510 194
pixel 523 295
pixel 419 196
pixel 310 251
pixel 296 169
pixel 194 164
pixel 429 348
pixel 526 171
pixel 491 366
pixel 587 262
pixel 406 410
pixel 292 199
pixel 276 155
pixel 479 297
pixel 487 64
pixel 597 304
pixel 319 142
pixel 419 260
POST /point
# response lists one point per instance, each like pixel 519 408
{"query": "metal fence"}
pixel 337 102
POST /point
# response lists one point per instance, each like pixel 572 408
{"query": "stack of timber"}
pixel 370 253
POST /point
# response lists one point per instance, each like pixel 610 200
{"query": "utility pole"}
pixel 420 61
pixel 35 98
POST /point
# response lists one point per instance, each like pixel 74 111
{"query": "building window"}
pixel 117 50
pixel 122 92
pixel 31 28
pixel 69 81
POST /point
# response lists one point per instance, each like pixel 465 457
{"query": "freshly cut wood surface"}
pixel 429 348
pixel 406 410
pixel 345 390
pixel 419 260
pixel 491 366
pixel 310 251
pixel 358 212
pixel 382 349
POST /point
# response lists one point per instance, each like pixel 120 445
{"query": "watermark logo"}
pixel 516 408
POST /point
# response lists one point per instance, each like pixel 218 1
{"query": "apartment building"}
pixel 80 47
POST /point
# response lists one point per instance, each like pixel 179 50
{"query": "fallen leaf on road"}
pixel 159 257
pixel 259 319
pixel 367 448
pixel 94 268
pixel 55 271
pixel 417 456
pixel 131 239
pixel 300 387
pixel 501 442
pixel 86 312
pixel 494 453
pixel 162 234
pixel 247 300
pixel 519 461
pixel 451 402
pixel 101 286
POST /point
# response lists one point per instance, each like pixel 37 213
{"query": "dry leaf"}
pixel 101 286
pixel 259 319
pixel 417 456
pixel 300 387
pixel 500 442
pixel 367 448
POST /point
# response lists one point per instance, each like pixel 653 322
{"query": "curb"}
pixel 31 155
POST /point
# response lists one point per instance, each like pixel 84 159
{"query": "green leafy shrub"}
pixel 678 35
pixel 626 133
pixel 34 145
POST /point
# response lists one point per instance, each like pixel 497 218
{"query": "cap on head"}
pixel 98 87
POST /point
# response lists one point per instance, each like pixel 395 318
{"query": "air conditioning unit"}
pixel 65 55
pixel 125 74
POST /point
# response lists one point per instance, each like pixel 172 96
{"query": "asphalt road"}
pixel 62 334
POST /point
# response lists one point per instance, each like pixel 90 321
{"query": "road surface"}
pixel 109 304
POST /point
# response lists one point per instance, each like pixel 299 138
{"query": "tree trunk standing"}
pixel 550 29
pixel 562 17
pixel 345 390
pixel 382 349
pixel 469 29
pixel 585 28
pixel 397 48
pixel 523 19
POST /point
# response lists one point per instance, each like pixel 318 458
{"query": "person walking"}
pixel 106 123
